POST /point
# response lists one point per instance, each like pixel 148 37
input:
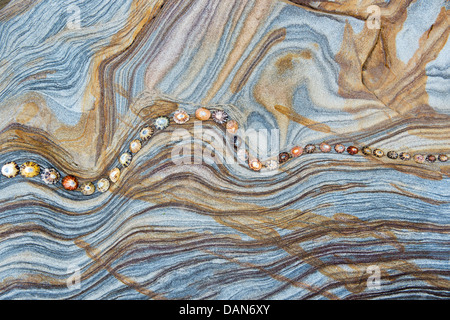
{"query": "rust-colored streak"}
pixel 310 227
pixel 260 11
pixel 277 277
pixel 292 115
pixel 286 63
pixel 370 67
pixel 255 58
pixel 94 254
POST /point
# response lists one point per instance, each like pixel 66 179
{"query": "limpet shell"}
pixel 50 176
pixel 203 114
pixel 87 188
pixel 114 175
pixel 283 157
pixel 10 170
pixel 366 151
pixel 30 169
pixel 162 123
pixel 310 148
pixel 220 116
pixel 431 158
pixel 297 151
pixel 378 153
pixel 392 155
pixel 419 158
pixel 271 165
pixel 146 133
pixel 255 164
pixel 339 148
pixel 135 146
pixel 180 117
pixel 103 185
pixel 70 183
pixel 232 126
pixel 325 147
pixel 352 150
pixel 405 156
pixel 125 159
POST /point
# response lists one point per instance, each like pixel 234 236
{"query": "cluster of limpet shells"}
pixel 51 176
pixel 324 147
pixel 404 156
pixel 71 183
pixel 203 114
pixel 30 169
pixel 232 126
pixel 273 164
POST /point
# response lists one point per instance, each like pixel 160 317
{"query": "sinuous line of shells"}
pixel 51 176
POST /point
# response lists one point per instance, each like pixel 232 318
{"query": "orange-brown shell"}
pixel 114 175
pixel 232 126
pixel 180 117
pixel 70 183
pixel 203 114
pixel 297 151
pixel 255 164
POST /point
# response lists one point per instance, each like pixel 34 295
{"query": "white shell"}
pixel 180 116
pixel 220 116
pixel 135 146
pixel 87 188
pixel 161 123
pixel 146 133
pixel 114 175
pixel 103 185
pixel 125 159
pixel 271 165
pixel 10 170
